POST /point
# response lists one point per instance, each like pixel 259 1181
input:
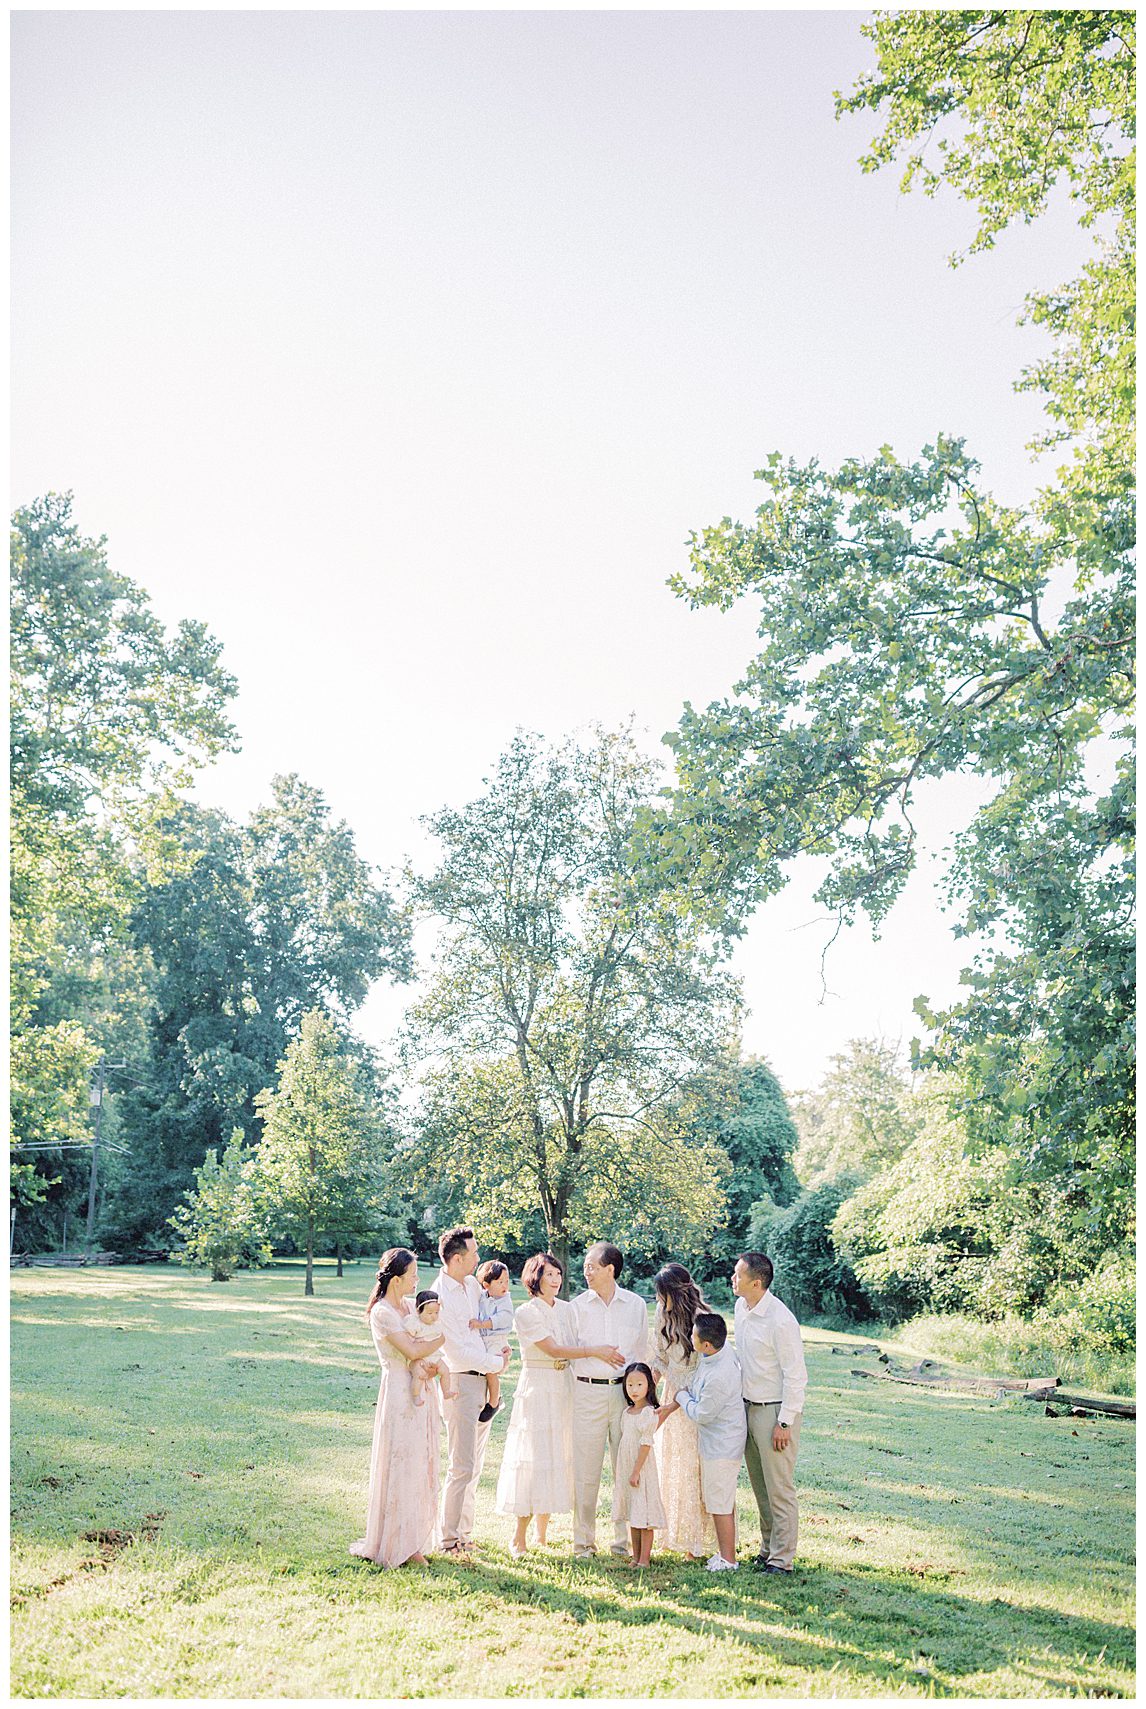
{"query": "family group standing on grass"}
pixel 589 1381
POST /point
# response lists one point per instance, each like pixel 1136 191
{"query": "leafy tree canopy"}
pixel 260 924
pixel 222 1223
pixel 109 713
pixel 914 627
pixel 572 1012
pixel 323 1153
pixel 860 1119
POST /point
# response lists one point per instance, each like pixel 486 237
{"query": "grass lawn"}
pixel 218 1436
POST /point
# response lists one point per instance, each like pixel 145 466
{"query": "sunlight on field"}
pixel 218 1437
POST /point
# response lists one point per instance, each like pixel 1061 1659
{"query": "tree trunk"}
pixel 559 1246
pixel 309 1256
pixel 338 1255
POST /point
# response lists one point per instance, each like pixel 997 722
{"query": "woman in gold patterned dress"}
pixel 689 1529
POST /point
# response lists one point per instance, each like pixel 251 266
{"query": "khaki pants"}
pixel 466 1439
pixel 598 1409
pixel 772 1476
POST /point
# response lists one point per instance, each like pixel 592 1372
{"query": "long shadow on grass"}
pixel 851 1619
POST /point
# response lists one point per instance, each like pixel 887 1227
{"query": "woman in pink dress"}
pixel 402 1508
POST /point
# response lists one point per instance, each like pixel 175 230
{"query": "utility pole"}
pixel 98 1101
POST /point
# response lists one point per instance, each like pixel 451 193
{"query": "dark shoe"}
pixel 759 1563
pixel 487 1412
pixel 772 1567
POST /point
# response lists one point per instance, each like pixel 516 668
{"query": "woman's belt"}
pixel 546 1364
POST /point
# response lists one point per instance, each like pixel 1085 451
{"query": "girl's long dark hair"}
pixel 651 1399
pixel 394 1262
pixel 679 1299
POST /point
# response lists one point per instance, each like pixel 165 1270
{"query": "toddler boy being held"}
pixel 494 1321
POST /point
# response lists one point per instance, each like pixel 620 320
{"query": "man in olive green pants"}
pixel 772 1474
pixel 774 1380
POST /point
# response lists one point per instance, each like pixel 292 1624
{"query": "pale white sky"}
pixel 404 350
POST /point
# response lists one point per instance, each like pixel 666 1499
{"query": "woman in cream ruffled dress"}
pixel 689 1529
pixel 402 1505
pixel 536 1477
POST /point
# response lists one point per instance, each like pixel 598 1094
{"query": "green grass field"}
pixel 218 1437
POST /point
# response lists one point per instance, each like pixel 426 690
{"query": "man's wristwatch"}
pixel 783 1424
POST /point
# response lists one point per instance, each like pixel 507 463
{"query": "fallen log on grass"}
pixel 1076 1403
pixel 928 1371
pixel 1048 1389
pixel 926 1375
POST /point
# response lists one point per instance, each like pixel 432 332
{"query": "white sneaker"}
pixel 718 1564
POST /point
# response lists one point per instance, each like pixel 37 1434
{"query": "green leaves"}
pixel 109 712
pixel 321 1160
pixel 914 628
pixel 571 1004
pixel 222 1222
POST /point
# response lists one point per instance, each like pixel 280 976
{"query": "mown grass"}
pixel 950 1545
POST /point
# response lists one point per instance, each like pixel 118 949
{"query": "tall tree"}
pixel 109 713
pixel 744 1112
pixel 222 1221
pixel 320 1159
pixel 265 922
pixel 910 629
pixel 860 1119
pixel 571 1011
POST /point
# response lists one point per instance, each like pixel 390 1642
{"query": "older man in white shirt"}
pixel 771 1354
pixel 467 1357
pixel 614 1317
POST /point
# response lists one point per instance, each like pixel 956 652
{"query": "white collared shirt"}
pixel 771 1354
pixel 623 1324
pixel 464 1349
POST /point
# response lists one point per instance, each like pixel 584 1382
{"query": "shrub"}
pixel 1099 1313
pixel 222 1224
pixel 811 1275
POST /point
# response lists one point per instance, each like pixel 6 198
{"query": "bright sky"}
pixel 405 349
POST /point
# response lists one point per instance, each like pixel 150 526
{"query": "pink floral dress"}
pixel 402 1507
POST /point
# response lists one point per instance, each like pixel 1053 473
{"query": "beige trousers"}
pixel 466 1440
pixel 773 1480
pixel 598 1409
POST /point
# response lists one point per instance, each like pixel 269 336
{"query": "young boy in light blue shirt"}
pixel 494 1321
pixel 715 1404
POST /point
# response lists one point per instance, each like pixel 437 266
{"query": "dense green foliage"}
pixel 181 948
pixel 859 1119
pixel 574 1021
pixel 914 627
pixel 109 713
pixel 321 1164
pixel 949 1546
pixel 812 1277
pixel 747 1115
pixel 267 921
pixel 222 1222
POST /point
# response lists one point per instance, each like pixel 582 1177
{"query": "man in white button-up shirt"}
pixel 466 1355
pixel 771 1354
pixel 613 1317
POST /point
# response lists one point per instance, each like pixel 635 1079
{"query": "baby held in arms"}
pixel 424 1327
